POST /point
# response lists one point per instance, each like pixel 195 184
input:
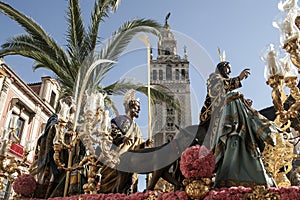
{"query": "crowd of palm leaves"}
pixel 79 54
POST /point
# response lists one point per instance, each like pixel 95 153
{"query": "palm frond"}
pixel 24 45
pixel 27 23
pixel 26 42
pixel 99 12
pixel 116 44
pixel 115 4
pixel 75 33
pixel 109 103
pixel 122 37
pixel 39 36
pixel 160 93
pixel 121 86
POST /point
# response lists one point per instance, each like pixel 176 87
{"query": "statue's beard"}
pixel 226 73
pixel 135 113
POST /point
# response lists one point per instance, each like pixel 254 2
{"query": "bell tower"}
pixel 171 71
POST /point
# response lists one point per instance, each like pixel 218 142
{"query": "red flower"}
pixel 233 193
pixel 197 162
pixel 173 196
pixel 24 185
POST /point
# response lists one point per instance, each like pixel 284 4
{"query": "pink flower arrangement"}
pixel 292 192
pixel 233 193
pixel 24 185
pixel 197 162
pixel 140 195
pixel 173 196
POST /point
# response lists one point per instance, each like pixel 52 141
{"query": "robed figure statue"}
pixel 236 132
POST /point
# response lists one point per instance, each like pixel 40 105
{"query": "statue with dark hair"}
pixel 219 79
pixel 235 131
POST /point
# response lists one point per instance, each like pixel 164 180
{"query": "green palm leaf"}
pixel 75 33
pixel 116 44
pixel 35 31
pixel 39 46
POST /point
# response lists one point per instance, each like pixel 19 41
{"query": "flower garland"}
pixel 197 162
pixel 173 196
pixel 24 185
pixel 233 193
pixel 292 192
pixel 151 195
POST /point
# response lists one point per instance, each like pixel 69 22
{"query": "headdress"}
pixel 223 56
pixel 129 97
pixel 222 64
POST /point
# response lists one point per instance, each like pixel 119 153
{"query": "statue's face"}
pixel 227 69
pixel 134 106
pixel 224 69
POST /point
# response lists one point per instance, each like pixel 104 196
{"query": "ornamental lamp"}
pixel 273 66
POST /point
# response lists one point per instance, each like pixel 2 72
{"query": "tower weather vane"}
pixel 167 17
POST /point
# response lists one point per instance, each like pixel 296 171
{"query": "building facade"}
pixel 171 71
pixel 27 108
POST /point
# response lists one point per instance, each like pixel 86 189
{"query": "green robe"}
pixel 238 136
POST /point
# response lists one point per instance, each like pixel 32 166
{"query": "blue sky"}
pixel 241 28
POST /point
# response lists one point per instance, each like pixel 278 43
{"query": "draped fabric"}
pixel 109 175
pixel 236 134
pixel 50 180
pixel 217 87
pixel 239 133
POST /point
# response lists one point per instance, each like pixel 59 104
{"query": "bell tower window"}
pixel 169 72
pixel 154 74
pixel 160 75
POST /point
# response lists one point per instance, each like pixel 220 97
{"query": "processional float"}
pixel 282 75
pixel 92 131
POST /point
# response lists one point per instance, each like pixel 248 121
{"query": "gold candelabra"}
pixel 94 131
pixel 282 75
pixel 10 168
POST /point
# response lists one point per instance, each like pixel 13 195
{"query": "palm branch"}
pixel 65 64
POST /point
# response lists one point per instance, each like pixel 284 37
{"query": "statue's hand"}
pixel 244 74
pixel 149 142
pixel 249 102
pixel 126 140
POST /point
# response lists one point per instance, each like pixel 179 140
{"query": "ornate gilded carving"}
pixel 292 47
pixel 278 158
pixel 8 164
pixel 163 186
pixel 260 192
pixel 197 188
pixel 93 131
